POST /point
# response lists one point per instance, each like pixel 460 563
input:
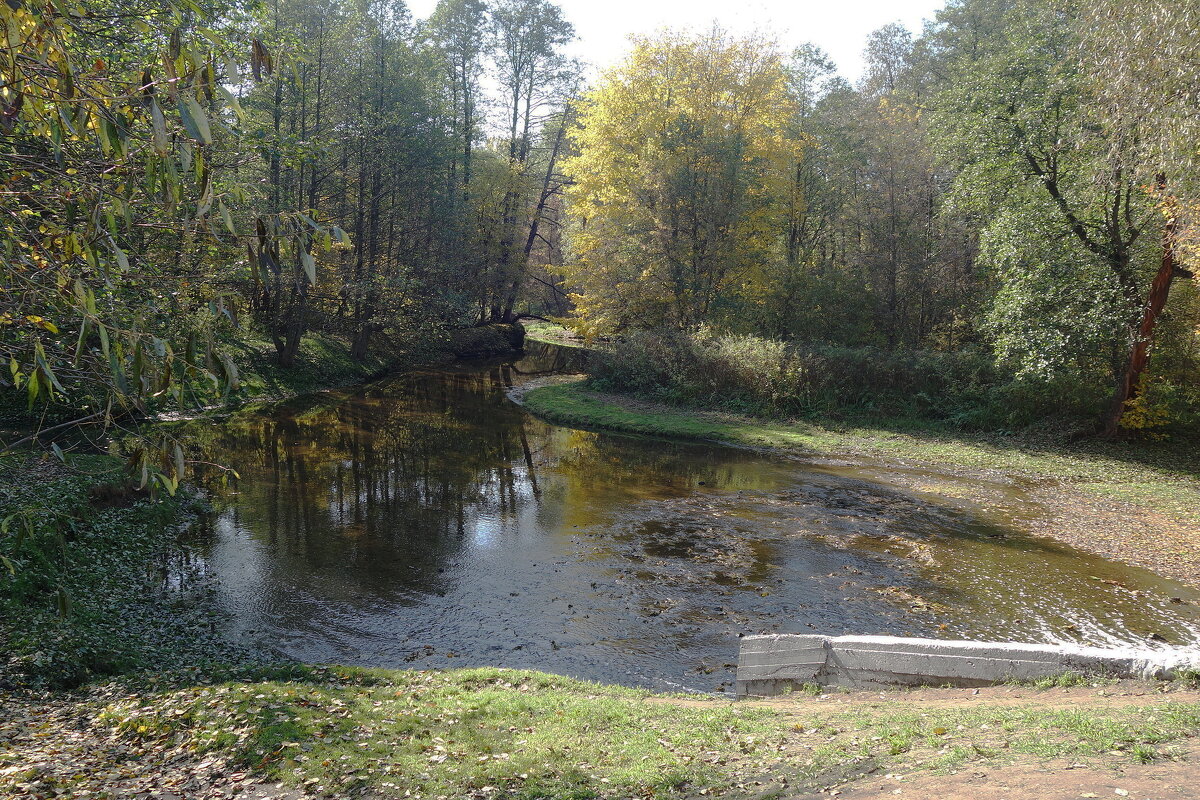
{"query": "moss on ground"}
pixel 323 362
pixel 1163 476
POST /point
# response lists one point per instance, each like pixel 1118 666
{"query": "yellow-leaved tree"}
pixel 679 181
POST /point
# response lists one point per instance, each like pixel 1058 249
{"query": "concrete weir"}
pixel 771 665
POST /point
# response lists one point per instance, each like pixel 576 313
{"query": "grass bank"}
pixel 1161 476
pixel 481 733
pixel 323 362
pixel 551 333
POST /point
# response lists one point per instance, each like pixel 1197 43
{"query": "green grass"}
pixel 323 362
pixel 1164 476
pixel 532 735
pixel 1064 680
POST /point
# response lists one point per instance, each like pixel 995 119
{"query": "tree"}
pixel 1144 62
pixel 458 30
pixel 107 214
pixel 535 80
pixel 682 170
pixel 1015 121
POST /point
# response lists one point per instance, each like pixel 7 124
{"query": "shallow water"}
pixel 427 521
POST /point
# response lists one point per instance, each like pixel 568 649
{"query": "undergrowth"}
pixel 93 579
pixel 345 732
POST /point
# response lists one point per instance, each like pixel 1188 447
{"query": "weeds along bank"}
pixel 95 574
pixel 95 580
pixel 323 361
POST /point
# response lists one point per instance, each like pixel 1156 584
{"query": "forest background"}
pixel 992 229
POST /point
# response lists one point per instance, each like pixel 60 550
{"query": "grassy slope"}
pixel 1162 476
pixel 531 735
pixel 324 362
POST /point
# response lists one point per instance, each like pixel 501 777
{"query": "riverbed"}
pixel 427 521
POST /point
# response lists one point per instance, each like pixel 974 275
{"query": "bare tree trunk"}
pixel 514 288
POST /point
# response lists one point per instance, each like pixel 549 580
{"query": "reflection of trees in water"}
pixel 374 494
pixel 540 358
pixel 389 481
pixel 384 480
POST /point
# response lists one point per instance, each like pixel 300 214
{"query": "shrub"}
pixel 763 376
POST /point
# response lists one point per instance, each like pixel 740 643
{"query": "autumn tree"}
pixel 112 207
pixel 1143 62
pixel 682 172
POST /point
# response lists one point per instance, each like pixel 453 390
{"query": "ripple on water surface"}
pixel 426 521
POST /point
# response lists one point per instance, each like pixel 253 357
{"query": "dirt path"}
pixel 1121 693
pixel 1018 777
pixel 1056 780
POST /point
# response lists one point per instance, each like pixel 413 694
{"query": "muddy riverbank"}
pixel 428 521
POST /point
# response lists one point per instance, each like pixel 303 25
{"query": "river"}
pixel 427 521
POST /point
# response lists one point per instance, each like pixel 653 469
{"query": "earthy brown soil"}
pixel 1014 778
pixel 1120 693
pixel 1058 780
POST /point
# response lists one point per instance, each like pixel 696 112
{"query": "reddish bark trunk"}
pixel 1139 355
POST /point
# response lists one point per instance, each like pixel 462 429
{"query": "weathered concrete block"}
pixel 870 661
pixel 769 665
pixel 786 660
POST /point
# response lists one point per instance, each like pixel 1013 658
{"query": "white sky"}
pixel 839 27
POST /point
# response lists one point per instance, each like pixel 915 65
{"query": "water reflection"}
pixel 427 521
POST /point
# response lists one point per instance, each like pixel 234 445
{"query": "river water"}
pixel 426 521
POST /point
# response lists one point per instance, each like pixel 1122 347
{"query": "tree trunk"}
pixel 1139 355
pixel 361 345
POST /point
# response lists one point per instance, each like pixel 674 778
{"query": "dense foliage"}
pixel 1015 188
pixel 1019 182
pixel 183 178
pixel 189 186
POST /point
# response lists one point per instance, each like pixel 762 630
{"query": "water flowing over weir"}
pixel 427 521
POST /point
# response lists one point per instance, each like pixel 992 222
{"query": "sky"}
pixel 839 27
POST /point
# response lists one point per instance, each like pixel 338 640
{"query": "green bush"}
pixel 770 377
